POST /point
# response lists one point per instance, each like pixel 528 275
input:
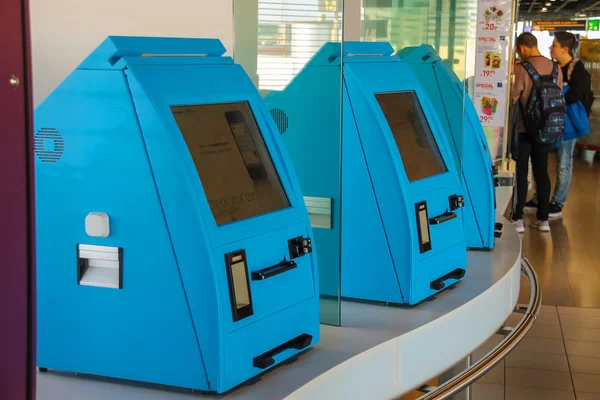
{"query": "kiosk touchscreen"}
pixel 467 141
pixel 174 246
pixel 402 233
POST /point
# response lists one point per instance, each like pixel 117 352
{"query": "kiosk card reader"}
pixel 174 246
pixel 469 146
pixel 402 226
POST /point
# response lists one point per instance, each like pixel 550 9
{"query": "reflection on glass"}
pixel 232 161
pixel 447 25
pixel 273 41
pixel 418 149
pixel 246 145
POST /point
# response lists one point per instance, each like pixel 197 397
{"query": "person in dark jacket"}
pixel 577 86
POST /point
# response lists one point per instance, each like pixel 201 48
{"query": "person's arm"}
pixel 518 84
pixel 578 84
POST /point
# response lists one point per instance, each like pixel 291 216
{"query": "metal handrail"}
pixel 498 353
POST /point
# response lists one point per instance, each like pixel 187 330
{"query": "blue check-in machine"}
pixel 469 146
pixel 402 235
pixel 174 246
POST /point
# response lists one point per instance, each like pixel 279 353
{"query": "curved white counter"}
pixel 380 352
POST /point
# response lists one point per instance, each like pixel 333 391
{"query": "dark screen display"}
pixel 416 144
pixel 233 163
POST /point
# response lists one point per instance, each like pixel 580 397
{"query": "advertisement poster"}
pixel 589 53
pixel 491 62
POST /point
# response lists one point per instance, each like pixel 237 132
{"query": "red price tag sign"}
pixel 486 73
pixel 490 27
pixel 484 119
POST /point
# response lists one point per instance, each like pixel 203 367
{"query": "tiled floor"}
pixel 560 357
pixel 567 259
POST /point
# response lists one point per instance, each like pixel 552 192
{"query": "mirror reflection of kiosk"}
pixel 469 147
pixel 174 246
pixel 402 228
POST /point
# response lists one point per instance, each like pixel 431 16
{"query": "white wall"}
pixel 64 32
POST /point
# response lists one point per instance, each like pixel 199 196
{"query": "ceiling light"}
pixel 548 4
pixel 544 9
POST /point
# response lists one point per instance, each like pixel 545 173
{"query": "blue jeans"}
pixel 564 171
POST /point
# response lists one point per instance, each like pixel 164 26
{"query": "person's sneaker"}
pixel 519 225
pixel 555 210
pixel 531 205
pixel 542 226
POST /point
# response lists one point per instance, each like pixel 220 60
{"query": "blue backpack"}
pixel 544 114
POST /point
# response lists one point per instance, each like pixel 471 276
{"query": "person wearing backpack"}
pixel 577 88
pixel 538 100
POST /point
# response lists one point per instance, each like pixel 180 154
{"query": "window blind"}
pixel 290 33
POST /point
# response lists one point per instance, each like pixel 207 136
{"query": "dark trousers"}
pixel 529 147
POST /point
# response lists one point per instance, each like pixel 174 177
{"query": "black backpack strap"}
pixel 535 77
pixel 555 72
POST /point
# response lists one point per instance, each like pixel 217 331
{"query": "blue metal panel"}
pixel 380 251
pixel 366 259
pixel 368 48
pixel 468 140
pixel 331 52
pixel 157 89
pixel 143 175
pixel 185 228
pixel 144 331
pixel 370 78
pixel 328 55
pixel 390 181
pixel 451 258
pixel 245 344
pixel 110 52
pixel 290 300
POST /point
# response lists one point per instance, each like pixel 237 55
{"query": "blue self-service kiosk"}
pixel 173 243
pixel 469 146
pixel 401 227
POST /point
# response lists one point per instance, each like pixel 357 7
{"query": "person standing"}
pixel 579 98
pixel 539 125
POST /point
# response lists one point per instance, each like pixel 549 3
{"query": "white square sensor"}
pixel 97 224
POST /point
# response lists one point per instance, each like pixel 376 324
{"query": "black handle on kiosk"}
pixel 274 270
pixel 266 360
pixel 439 283
pixel 440 219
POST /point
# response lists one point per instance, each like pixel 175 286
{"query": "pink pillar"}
pixel 17 247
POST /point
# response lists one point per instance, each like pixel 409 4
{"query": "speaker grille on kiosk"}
pixel 281 119
pixel 49 145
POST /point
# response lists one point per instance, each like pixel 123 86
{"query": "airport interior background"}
pixel 339 280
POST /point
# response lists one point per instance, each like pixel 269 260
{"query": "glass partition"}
pixel 293 51
pixel 445 25
pixel 280 44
